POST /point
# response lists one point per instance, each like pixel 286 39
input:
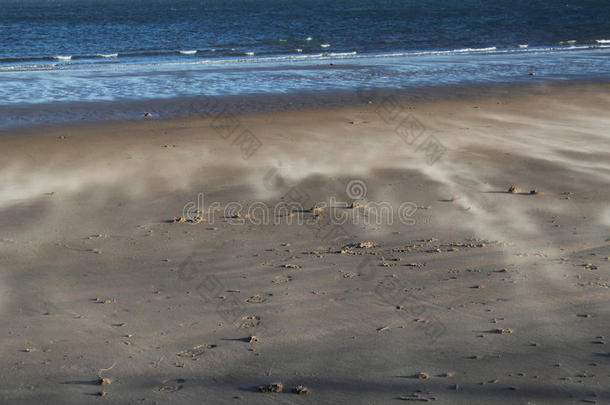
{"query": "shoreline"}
pixel 74 114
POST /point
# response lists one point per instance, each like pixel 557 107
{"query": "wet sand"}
pixel 372 254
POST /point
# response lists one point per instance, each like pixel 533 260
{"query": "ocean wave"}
pixel 260 59
pixel 603 41
pixel 139 54
pixel 249 57
pixel 491 48
pixel 440 52
pixel 523 46
pixel 341 53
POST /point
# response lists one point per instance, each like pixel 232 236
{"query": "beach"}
pixel 442 249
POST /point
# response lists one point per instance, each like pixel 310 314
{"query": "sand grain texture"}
pixel 349 314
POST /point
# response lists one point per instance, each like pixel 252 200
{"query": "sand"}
pixel 369 254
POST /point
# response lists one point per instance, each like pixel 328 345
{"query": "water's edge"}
pixel 36 117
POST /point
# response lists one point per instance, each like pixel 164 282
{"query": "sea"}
pixel 59 58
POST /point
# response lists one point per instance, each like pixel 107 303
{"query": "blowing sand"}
pixel 368 255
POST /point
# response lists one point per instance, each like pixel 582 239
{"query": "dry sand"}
pixel 484 296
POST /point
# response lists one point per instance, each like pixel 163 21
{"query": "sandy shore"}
pixel 373 252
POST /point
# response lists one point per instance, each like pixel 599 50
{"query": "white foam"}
pixel 58 57
pixel 603 41
pixel 191 52
pixel 491 48
pixel 299 50
pixel 107 55
pixel 523 46
pixel 301 56
pixel 325 45
pixel 249 53
pixel 341 53
pixel 308 39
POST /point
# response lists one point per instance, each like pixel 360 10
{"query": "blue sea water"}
pixel 73 51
